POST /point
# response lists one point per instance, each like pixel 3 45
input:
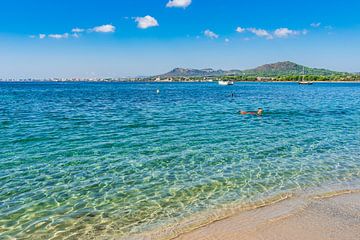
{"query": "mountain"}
pixel 268 70
pixel 287 68
pixel 188 72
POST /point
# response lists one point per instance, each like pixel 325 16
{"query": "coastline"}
pixel 144 81
pixel 287 213
pixel 330 217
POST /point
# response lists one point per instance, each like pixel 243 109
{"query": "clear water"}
pixel 103 159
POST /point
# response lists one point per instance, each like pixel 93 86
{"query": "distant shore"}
pixel 144 81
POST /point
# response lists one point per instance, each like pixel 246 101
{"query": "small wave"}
pixel 297 199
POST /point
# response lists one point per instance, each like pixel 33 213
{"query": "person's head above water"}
pixel 259 112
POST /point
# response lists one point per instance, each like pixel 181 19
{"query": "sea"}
pixel 82 160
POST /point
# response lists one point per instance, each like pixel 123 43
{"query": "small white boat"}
pixel 225 83
pixel 303 82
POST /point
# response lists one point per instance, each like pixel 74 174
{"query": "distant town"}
pixel 276 72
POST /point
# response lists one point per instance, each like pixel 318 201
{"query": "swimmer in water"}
pixel 259 112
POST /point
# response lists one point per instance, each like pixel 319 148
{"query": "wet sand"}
pixel 329 217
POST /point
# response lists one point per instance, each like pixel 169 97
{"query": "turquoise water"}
pixel 84 160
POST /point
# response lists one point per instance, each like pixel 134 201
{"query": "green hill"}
pixel 268 70
pixel 287 68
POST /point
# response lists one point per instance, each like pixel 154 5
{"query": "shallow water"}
pixel 104 159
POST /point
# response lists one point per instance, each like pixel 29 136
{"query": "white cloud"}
pixel 315 25
pixel 260 33
pixel 240 29
pixel 77 30
pixel 146 22
pixel 227 40
pixel 304 32
pixel 59 36
pixel 329 27
pixel 107 28
pixel 278 33
pixel 210 34
pixel 285 32
pixel 178 3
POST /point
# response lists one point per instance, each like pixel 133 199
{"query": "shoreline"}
pixel 328 217
pixel 233 221
pixel 84 81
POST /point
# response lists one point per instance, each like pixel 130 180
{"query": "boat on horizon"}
pixel 225 83
pixel 303 82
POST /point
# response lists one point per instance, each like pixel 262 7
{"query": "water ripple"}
pixel 86 160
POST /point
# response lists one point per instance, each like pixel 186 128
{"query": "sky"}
pixel 121 38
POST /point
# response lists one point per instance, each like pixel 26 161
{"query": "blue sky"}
pixel 114 38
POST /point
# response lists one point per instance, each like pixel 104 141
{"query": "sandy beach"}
pixel 330 217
